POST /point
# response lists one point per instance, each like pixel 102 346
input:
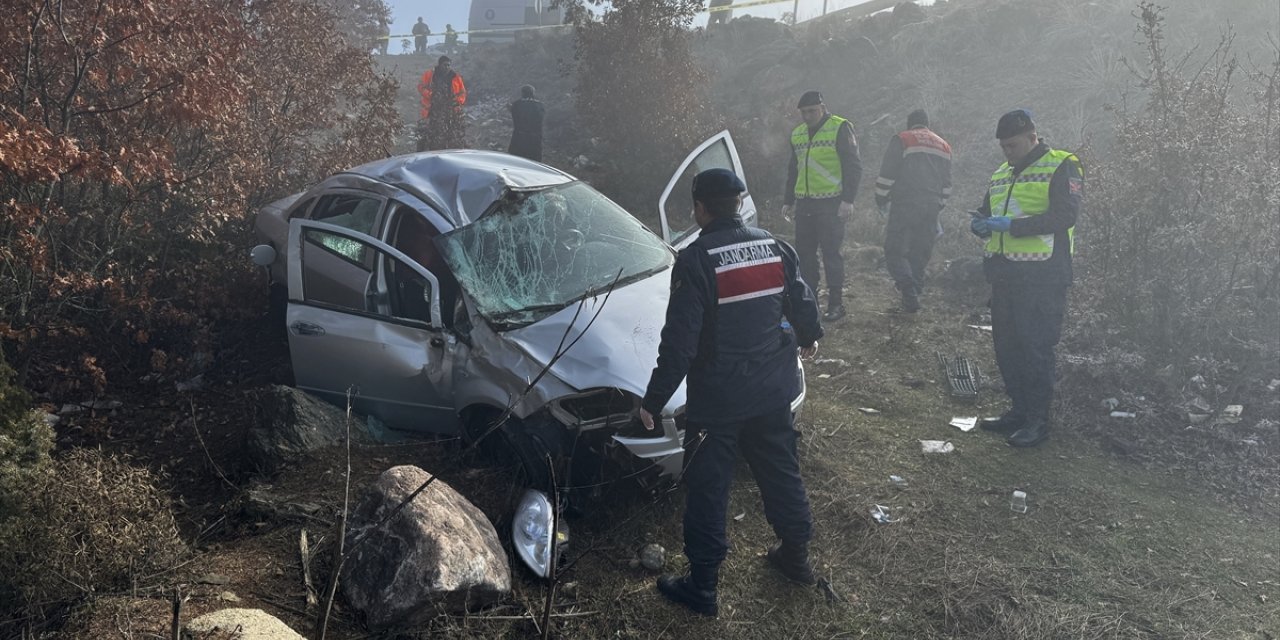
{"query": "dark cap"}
pixel 809 99
pixel 917 118
pixel 717 183
pixel 444 59
pixel 1013 123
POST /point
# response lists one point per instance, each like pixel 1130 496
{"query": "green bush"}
pixel 25 443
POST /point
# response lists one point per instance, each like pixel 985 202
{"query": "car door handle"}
pixel 307 329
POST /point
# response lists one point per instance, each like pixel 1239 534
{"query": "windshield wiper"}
pixel 551 306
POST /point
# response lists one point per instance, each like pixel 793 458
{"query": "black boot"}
pixel 1011 421
pixel 1032 433
pixel 910 301
pixel 792 561
pixel 696 591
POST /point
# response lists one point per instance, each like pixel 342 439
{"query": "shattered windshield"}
pixel 536 252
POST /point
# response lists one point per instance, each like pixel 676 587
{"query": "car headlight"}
pixel 531 531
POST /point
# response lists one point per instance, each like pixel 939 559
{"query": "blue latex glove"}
pixel 999 223
pixel 978 226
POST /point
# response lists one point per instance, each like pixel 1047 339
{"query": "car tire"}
pixel 512 445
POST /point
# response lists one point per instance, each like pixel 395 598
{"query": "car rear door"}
pixel 675 208
pixel 377 330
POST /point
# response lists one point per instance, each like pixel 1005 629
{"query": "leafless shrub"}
pixel 640 90
pixel 1183 247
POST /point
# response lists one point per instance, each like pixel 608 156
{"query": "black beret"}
pixel 809 99
pixel 1013 123
pixel 717 183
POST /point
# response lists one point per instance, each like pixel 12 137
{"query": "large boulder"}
pixel 290 424
pixel 438 554
pixel 241 624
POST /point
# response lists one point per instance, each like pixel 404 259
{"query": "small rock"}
pixel 228 596
pixel 70 409
pixel 653 557
pixel 50 418
pixel 869 411
pixel 242 624
pixel 190 385
pixel 102 405
pixel 213 578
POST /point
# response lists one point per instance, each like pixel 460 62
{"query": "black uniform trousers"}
pixel 1026 323
pixel 768 442
pixel 908 243
pixel 819 227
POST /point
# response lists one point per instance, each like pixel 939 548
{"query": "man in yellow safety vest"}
pixel 1028 219
pixel 822 182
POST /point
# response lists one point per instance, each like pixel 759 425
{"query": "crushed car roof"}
pixel 462 183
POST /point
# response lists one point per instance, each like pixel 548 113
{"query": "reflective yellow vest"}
pixel 817 163
pixel 1025 195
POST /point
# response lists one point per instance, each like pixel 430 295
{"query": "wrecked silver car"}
pixel 449 288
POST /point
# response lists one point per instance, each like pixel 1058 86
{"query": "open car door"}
pixel 675 208
pixel 376 328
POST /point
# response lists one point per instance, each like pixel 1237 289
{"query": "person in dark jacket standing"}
pixel 420 33
pixel 1028 219
pixel 822 183
pixel 527 114
pixel 730 291
pixel 914 184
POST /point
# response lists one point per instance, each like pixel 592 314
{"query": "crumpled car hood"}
pixel 621 347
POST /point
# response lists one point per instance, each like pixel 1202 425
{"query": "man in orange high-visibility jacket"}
pixel 441 75
pixel 443 93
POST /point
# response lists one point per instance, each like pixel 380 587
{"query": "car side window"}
pixel 353 211
pixel 679 204
pixel 401 293
pixel 414 235
pixel 301 208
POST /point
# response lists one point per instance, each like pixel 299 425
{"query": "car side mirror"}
pixel 263 255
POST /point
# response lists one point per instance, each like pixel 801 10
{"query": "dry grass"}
pixel 94 524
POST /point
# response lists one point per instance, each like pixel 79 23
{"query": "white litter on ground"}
pixel 936 446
